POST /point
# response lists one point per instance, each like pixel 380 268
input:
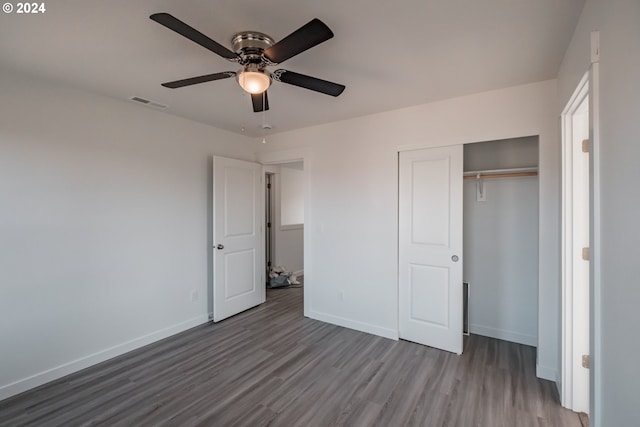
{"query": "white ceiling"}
pixel 388 54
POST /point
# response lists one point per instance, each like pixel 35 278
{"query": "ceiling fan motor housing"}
pixel 249 45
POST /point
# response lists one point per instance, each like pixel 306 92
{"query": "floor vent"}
pixel 149 103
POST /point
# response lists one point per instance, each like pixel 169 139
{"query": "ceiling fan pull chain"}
pixel 264 112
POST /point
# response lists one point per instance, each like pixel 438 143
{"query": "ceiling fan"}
pixel 254 52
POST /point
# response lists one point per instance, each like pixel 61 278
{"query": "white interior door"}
pixel 238 255
pixel 575 262
pixel 580 260
pixel 430 247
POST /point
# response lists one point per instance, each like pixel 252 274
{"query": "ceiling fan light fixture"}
pixel 254 82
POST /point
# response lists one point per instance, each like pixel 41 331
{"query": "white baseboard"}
pixel 546 373
pixel 354 324
pixel 502 334
pixel 49 375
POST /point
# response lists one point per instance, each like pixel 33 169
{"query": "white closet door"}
pixel 430 247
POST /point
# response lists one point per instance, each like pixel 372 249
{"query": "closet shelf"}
pixel 501 173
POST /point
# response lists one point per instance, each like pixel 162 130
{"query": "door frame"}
pixel 592 78
pixel 269 213
pixel 570 392
pixel 288 156
pixel 595 338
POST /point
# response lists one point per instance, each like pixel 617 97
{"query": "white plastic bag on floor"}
pixel 278 277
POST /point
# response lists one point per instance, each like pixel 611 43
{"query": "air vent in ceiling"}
pixel 149 103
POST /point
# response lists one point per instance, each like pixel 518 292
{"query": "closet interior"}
pixel 501 238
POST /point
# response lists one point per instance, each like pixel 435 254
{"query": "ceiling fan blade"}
pixel 308 82
pixel 259 103
pixel 199 79
pixel 309 35
pixel 192 34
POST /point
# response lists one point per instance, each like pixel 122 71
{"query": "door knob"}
pixel 220 246
pixel 455 258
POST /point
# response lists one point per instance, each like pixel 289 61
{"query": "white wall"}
pixel 351 223
pixel 615 304
pixel 291 196
pixel 103 227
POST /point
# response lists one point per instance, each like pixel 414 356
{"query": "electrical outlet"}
pixel 194 296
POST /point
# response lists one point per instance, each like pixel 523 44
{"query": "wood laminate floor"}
pixel 271 366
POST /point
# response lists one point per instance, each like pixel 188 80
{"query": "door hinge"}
pixel 269 185
pixel 585 361
pixel 585 145
pixel 585 254
pixel 268 225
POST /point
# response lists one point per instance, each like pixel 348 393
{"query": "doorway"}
pixel 284 223
pixel 501 233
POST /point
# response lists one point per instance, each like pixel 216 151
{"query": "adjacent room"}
pixel 330 213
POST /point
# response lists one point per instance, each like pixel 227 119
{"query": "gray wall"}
pixel 502 154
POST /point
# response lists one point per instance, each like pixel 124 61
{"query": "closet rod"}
pixel 501 173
